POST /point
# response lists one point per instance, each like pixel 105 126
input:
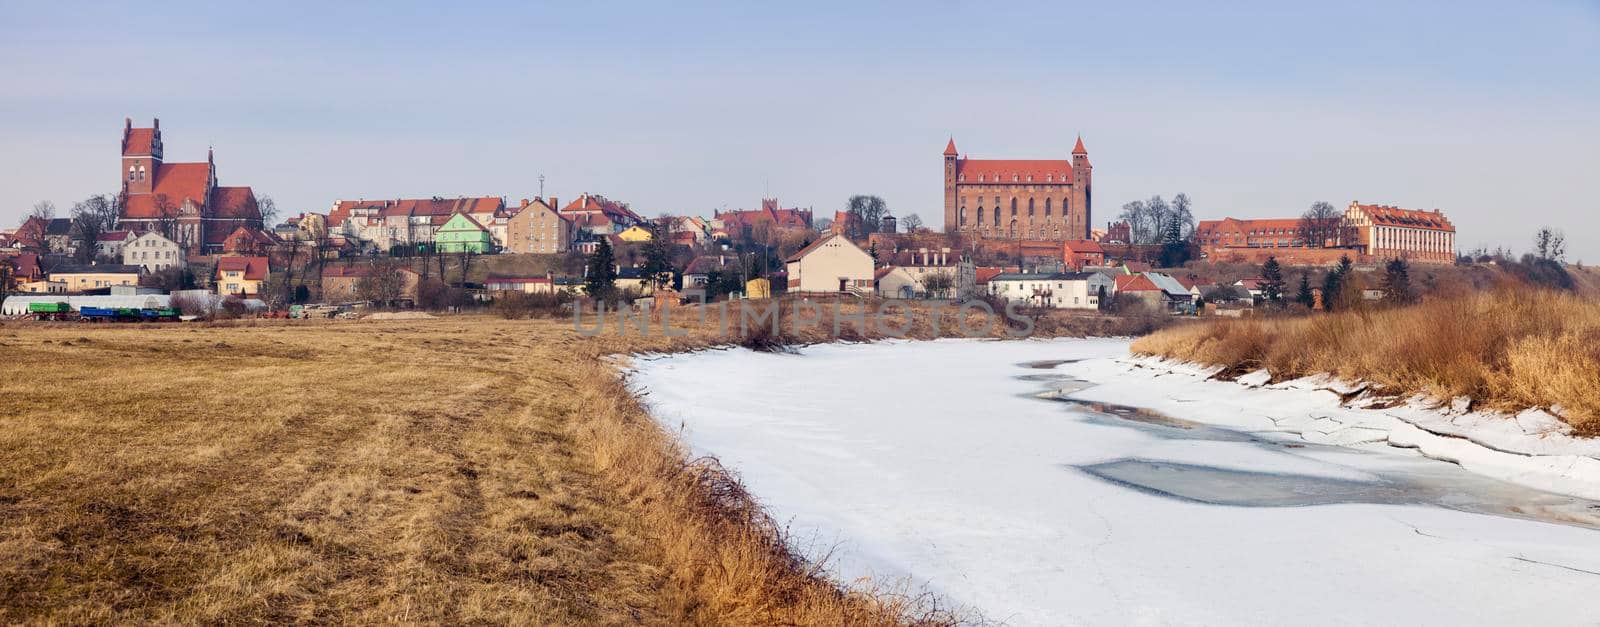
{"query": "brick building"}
pixel 1019 199
pixel 538 228
pixel 181 200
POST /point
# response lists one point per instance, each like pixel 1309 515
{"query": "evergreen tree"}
pixel 1304 295
pixel 657 257
pixel 1397 282
pixel 873 250
pixel 1174 249
pixel 1272 283
pixel 600 281
pixel 1333 284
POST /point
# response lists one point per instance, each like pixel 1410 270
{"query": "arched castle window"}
pixel 997 212
pixel 963 220
pixel 1030 207
pixel 980 215
pixel 1013 206
pixel 1066 206
pixel 1047 207
pixel 130 173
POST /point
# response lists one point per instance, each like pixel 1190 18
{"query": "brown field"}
pixel 460 469
pixel 1508 349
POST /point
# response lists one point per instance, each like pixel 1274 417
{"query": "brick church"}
pixel 180 200
pixel 1018 199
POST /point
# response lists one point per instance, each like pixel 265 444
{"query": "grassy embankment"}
pixel 1508 350
pixel 465 469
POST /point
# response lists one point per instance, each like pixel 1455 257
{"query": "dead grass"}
pixel 1509 349
pixel 456 470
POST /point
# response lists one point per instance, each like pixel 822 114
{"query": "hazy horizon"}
pixel 1485 111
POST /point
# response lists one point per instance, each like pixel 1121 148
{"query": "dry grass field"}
pixel 1510 349
pixel 459 470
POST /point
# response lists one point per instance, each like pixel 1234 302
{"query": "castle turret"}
pixel 951 217
pixel 1083 191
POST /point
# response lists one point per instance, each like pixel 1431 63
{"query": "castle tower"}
pixel 141 157
pixel 950 216
pixel 1082 192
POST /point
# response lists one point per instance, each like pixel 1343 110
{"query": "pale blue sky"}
pixel 1487 110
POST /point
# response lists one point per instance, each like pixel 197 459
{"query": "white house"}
pixel 830 264
pixel 895 282
pixel 153 252
pixel 109 245
pixel 1064 290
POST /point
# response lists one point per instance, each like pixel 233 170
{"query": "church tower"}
pixel 1082 191
pixel 141 157
pixel 951 219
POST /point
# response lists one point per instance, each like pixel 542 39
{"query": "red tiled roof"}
pixel 881 272
pixel 1385 215
pixel 1083 246
pixel 26 264
pixel 614 211
pixel 112 236
pixel 1078 150
pixel 234 202
pixel 254 268
pixel 417 207
pixel 1136 283
pixel 1052 171
pixel 984 274
pixel 140 141
pixel 950 148
pixel 179 182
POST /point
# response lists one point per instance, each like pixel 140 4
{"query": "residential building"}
pixel 77 278
pixel 538 228
pixel 1177 295
pixel 595 215
pixel 830 264
pixel 341 284
pixel 153 252
pixel 895 282
pixel 1062 290
pixel 525 284
pixel 1076 254
pixel 697 275
pixel 1388 232
pixel 1019 199
pixel 109 245
pixel 249 241
pixel 1254 233
pixel 182 200
pixel 462 233
pixel 386 224
pixel 241 276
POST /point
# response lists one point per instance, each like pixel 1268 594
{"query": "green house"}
pixel 462 234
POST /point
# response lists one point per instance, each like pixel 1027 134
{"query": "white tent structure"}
pixel 18 305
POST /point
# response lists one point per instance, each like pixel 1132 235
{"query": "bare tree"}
pixel 1159 215
pixel 870 209
pixel 1141 228
pixel 268 210
pixel 382 285
pixel 937 284
pixel 95 215
pixel 913 223
pixel 43 210
pixel 1322 226
pixel 1550 244
pixel 1182 212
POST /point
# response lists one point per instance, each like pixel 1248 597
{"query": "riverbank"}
pixel 1507 351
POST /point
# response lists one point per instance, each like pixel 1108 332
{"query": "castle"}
pixel 182 201
pixel 1018 199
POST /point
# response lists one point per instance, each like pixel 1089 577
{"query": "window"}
pixel 1047 207
pixel 1030 207
pixel 1013 206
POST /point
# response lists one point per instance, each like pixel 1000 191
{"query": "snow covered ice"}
pixel 949 463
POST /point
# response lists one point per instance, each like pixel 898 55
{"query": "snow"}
pixel 940 462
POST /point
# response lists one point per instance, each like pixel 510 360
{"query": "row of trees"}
pixel 1155 221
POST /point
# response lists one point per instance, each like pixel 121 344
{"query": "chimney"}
pixel 524 203
pixel 555 204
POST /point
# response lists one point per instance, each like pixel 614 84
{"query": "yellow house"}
pixel 77 278
pixel 635 233
pixel 241 276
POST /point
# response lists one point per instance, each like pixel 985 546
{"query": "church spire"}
pixel 1079 150
pixel 950 148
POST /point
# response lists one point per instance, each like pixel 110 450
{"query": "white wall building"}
pixel 1066 290
pixel 831 264
pixel 153 252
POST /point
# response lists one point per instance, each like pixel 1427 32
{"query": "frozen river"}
pixel 986 472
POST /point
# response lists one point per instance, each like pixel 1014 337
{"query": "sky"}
pixel 1489 111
